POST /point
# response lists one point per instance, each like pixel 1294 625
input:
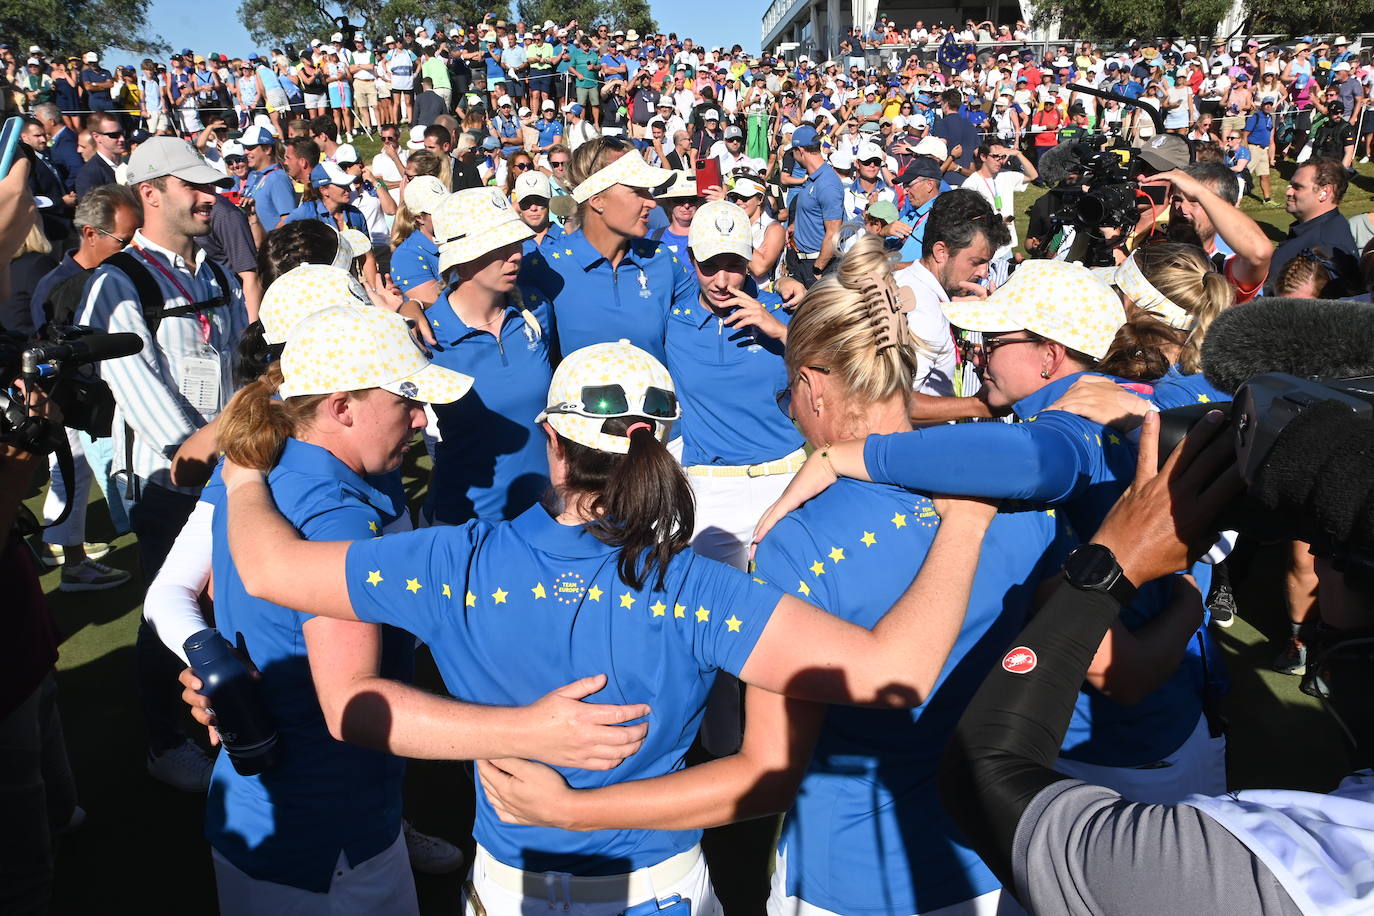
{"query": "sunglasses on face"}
pixel 561 163
pixel 521 166
pixel 973 351
pixel 112 134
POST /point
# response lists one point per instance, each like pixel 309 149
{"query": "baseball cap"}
pixel 1058 300
pixel 490 144
pixel 841 161
pixel 231 149
pixel 746 187
pixel 917 121
pixel 327 173
pixel 503 100
pixel 720 227
pixel 346 154
pixel 1167 151
pixel 417 137
pixel 920 167
pixel 733 133
pixel 575 109
pixel 806 135
pixel 884 210
pixel 933 147
pixel 473 222
pixel 380 354
pixel 608 380
pixel 301 292
pixel 629 169
pixel 869 151
pixel 162 156
pixel 1343 65
pixel 91 57
pixel 424 194
pixel 710 114
pixel 548 105
pixel 257 136
pixel 682 184
pixel 532 184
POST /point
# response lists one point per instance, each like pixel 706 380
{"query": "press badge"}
pixel 200 379
pixel 668 906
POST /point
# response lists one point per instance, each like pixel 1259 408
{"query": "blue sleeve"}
pixel 296 214
pixel 415 580
pixel 831 198
pixel 1049 460
pixel 410 268
pixel 685 284
pixel 281 198
pixel 732 608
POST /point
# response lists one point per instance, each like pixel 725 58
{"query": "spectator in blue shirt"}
pixel 97 81
pixel 1259 140
pixel 921 178
pixel 267 182
pixel 817 211
pixel 549 127
pixel 415 258
pixel 960 136
pixel 330 203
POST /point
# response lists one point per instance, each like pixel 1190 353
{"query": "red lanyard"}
pixel 190 300
pixel 262 177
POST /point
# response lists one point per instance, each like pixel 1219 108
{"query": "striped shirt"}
pixel 147 390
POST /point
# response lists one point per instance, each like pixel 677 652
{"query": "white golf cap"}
pixel 329 173
pixel 710 114
pixel 472 222
pixel 629 169
pixel 231 148
pixel 532 184
pixel 91 57
pixel 1058 300
pixel 344 348
pixel 503 100
pixel 841 160
pixel 720 227
pixel 682 184
pixel 417 137
pixel 916 121
pixel 746 187
pixel 346 154
pixel 157 157
pixel 257 136
pixel 336 37
pixel 390 39
pixel 933 147
pixel 549 105
pixel 301 292
pixel 608 380
pixel 424 194
pixel 869 151
pixel 524 111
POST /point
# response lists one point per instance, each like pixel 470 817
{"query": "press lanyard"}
pixel 190 300
pixel 261 178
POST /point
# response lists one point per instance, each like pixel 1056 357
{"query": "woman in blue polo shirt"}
pixel 604 577
pixel 328 199
pixel 606 281
pixel 490 462
pixel 415 256
pixel 1140 723
pixel 866 832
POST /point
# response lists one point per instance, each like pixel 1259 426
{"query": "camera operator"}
pixel 36 789
pixel 1203 198
pixel 1069 847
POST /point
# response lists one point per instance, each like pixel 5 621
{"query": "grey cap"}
pixel 162 156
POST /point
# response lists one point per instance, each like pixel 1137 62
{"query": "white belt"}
pixel 788 464
pixel 642 884
pixel 807 255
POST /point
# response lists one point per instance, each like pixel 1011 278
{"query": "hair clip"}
pixel 887 305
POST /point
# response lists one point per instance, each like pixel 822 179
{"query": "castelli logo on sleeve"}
pixel 1020 660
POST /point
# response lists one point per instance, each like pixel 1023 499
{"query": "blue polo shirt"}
pixel 550 131
pixel 915 217
pixel 314 209
pixel 289 824
pixel 272 194
pixel 1176 389
pixel 596 303
pixel 512 610
pixel 1260 127
pixel 1062 460
pixel 868 833
pixel 552 237
pixel 415 262
pixel 97 99
pixel 727 380
pixel 491 463
pixel 820 198
pixel 674 242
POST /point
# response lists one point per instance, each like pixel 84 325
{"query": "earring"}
pixel 1044 373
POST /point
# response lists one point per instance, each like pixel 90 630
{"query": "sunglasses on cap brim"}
pixel 611 401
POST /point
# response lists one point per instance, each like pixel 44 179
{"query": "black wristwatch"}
pixel 1092 567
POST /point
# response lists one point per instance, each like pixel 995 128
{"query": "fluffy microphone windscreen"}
pixel 1321 338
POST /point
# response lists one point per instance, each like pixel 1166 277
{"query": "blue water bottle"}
pixel 244 724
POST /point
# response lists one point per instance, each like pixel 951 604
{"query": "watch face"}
pixel 1091 566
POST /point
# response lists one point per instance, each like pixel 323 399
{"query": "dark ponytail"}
pixel 254 354
pixel 642 501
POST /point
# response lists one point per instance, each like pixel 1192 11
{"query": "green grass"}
pixel 142 849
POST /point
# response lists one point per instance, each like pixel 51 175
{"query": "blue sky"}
pixel 214 25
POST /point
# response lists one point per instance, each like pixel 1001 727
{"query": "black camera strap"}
pixel 62 451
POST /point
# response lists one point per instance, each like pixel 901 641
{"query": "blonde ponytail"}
pixel 256 424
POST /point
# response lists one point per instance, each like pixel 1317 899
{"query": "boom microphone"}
pixel 87 349
pixel 1308 338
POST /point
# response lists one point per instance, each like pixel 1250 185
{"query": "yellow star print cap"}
pixel 720 227
pixel 301 292
pixel 353 349
pixel 352 244
pixel 604 381
pixel 1058 300
pixel 470 223
pixel 424 194
pixel 629 169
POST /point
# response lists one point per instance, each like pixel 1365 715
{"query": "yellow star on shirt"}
pixel 413 585
pixel 538 590
pixel 869 539
pixel 817 568
pixel 659 608
pixel 448 592
pixel 732 623
pixel 836 554
pixel 374 578
pixel 898 519
pixel 594 593
pixel 679 610
pixel 470 600
pixel 1113 438
pixel 372 526
pixel 804 589
pixel 759 581
pixel 627 600
pixel 1203 399
pixel 499 596
pixel 703 615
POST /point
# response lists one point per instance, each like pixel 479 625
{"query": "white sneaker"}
pixel 430 855
pixel 55 555
pixel 90 576
pixel 1364 159
pixel 185 767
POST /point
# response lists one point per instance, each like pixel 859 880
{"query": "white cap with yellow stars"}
pixel 720 227
pixel 472 222
pixel 629 169
pixel 352 244
pixel 302 291
pixel 1058 300
pixel 609 380
pixel 353 349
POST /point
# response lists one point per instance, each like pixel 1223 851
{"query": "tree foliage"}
pixel 278 22
pixel 1113 19
pixel 78 26
pixel 622 14
pixel 1303 17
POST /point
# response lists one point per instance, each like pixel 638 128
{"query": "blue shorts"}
pixel 542 84
pixel 340 95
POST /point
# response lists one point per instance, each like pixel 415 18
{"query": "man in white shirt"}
pixel 999 186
